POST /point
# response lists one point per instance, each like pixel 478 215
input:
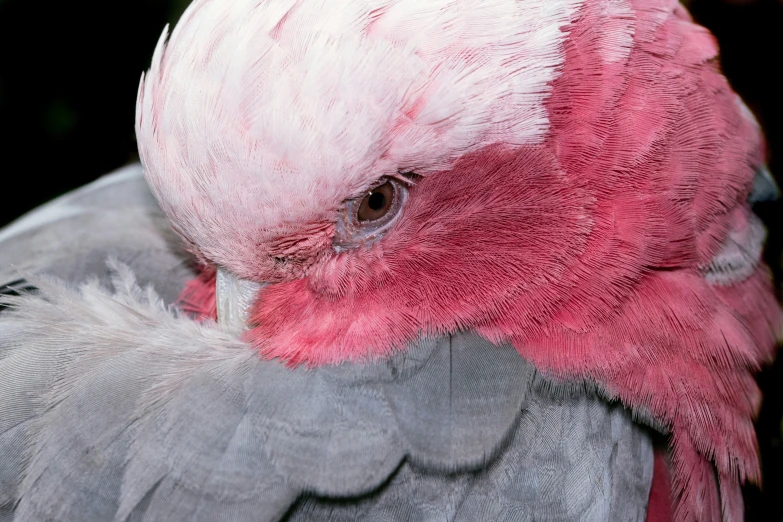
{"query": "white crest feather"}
pixel 257 116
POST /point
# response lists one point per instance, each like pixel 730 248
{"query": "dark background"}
pixel 69 70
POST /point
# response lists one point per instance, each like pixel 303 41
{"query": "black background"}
pixel 69 71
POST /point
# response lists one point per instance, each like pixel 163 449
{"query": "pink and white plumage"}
pixel 315 100
pixel 581 165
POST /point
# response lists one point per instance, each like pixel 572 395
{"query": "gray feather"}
pixel 574 459
pixel 72 236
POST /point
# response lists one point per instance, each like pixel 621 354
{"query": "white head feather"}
pixel 261 116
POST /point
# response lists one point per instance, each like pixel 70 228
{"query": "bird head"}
pixel 375 171
pixel 381 162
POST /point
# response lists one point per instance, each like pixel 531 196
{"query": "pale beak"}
pixel 235 297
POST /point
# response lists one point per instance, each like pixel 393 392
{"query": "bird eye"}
pixel 377 203
pixel 366 218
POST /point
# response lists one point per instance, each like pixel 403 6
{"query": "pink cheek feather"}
pixel 496 229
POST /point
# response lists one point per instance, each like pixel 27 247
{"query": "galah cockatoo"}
pixel 458 260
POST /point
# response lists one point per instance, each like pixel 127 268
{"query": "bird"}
pixel 455 259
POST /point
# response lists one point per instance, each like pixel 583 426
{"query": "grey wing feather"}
pixel 568 459
pixel 72 236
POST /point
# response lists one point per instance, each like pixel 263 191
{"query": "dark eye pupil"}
pixel 377 201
